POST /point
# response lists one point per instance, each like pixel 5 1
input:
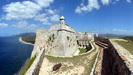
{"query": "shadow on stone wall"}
pixel 112 63
pixel 89 47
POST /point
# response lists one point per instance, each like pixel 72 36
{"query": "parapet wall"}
pixel 125 55
pixel 35 67
pixel 113 63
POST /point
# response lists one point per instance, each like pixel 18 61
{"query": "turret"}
pixel 62 20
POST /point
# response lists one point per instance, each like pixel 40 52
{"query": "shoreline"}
pixel 20 40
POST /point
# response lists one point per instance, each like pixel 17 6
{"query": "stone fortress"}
pixel 61 45
pixel 61 40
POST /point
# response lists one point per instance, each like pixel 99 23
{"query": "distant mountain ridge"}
pixel 112 35
pixel 100 35
pixel 25 34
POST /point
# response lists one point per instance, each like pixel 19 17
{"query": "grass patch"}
pixel 64 68
pixel 74 59
pixel 26 66
pixel 82 50
pixel 81 60
pixel 91 63
pixel 128 38
pixel 127 45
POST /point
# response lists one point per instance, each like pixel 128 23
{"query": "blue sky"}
pixel 99 16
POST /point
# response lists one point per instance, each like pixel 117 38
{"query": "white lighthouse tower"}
pixel 62 20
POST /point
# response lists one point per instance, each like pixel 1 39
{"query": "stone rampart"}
pixel 42 36
pixel 124 54
pixel 113 62
pixel 35 67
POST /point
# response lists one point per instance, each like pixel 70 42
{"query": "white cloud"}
pixel 32 27
pixel 42 18
pixel 115 1
pixel 50 11
pixel 129 1
pixel 46 18
pixel 50 15
pixel 31 10
pixel 119 30
pixel 3 25
pixel 115 31
pixel 105 2
pixel 55 17
pixel 92 4
pixel 25 25
pixel 25 9
pixel 21 24
pixel 78 10
pixel 44 3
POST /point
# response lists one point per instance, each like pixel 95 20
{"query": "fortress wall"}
pixel 35 67
pixel 59 40
pixel 40 41
pixel 66 27
pixel 53 44
pixel 54 27
pixel 56 41
pixel 113 63
pixel 125 55
pixel 84 36
pixel 70 43
pixel 62 41
pixel 83 43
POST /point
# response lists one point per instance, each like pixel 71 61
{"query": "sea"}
pixel 13 55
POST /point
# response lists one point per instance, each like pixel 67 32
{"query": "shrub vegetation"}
pixel 26 66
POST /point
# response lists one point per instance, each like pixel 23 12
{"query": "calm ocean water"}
pixel 13 55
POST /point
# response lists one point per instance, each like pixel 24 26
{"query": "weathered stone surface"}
pixel 126 56
pixel 115 59
pixel 85 36
pixel 40 42
pixel 35 67
pixel 59 40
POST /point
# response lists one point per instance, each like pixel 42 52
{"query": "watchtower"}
pixel 62 20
